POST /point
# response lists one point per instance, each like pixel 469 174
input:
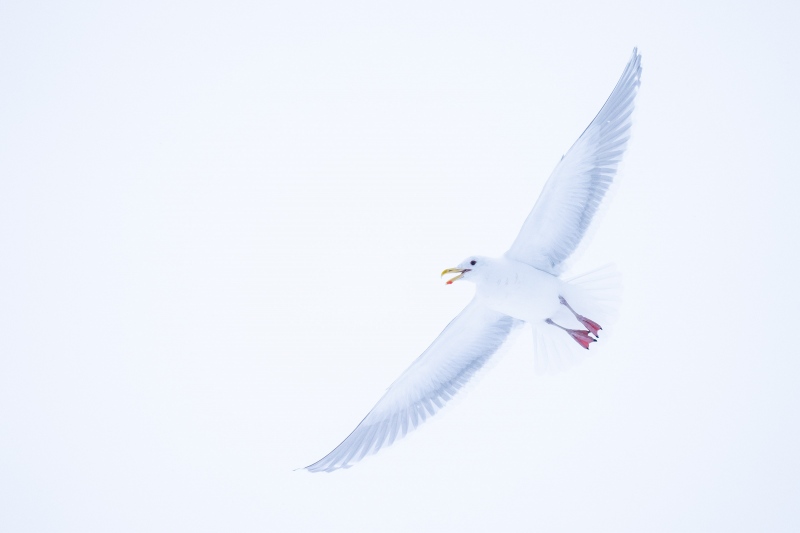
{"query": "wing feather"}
pixel 575 190
pixel 462 349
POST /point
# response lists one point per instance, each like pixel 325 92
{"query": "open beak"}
pixel 460 271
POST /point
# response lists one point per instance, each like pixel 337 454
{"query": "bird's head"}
pixel 469 269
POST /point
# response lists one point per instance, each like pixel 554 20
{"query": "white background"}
pixel 221 229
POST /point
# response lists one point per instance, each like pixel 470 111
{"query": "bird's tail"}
pixel 594 296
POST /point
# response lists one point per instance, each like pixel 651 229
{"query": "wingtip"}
pixel 636 58
pixel 324 465
pixel 634 66
pixel 315 467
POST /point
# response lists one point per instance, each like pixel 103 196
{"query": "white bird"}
pixel 521 287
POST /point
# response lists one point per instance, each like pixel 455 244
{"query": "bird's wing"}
pixel 464 346
pixel 573 193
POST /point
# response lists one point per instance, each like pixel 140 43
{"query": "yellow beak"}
pixel 453 271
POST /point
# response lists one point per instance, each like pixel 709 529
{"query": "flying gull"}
pixel 525 285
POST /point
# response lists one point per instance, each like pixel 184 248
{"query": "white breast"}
pixel 520 291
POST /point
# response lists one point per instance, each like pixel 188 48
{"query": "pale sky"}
pixel 221 232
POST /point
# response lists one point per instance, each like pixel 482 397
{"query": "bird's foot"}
pixel 591 325
pixel 581 336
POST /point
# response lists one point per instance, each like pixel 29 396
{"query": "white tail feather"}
pixel 595 295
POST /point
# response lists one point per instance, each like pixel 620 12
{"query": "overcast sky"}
pixel 221 230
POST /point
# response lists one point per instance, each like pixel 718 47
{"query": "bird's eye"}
pixel 472 262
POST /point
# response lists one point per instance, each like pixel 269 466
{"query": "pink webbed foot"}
pixel 591 325
pixel 581 336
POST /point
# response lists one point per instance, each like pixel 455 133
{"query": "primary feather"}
pixel 462 349
pixel 575 190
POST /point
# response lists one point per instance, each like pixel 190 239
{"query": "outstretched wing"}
pixel 573 193
pixel 464 346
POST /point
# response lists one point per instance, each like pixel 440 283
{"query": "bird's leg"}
pixel 581 336
pixel 591 325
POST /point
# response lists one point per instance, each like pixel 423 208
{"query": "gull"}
pixel 524 286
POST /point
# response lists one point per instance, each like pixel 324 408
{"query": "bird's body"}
pixel 517 289
pixel 522 287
